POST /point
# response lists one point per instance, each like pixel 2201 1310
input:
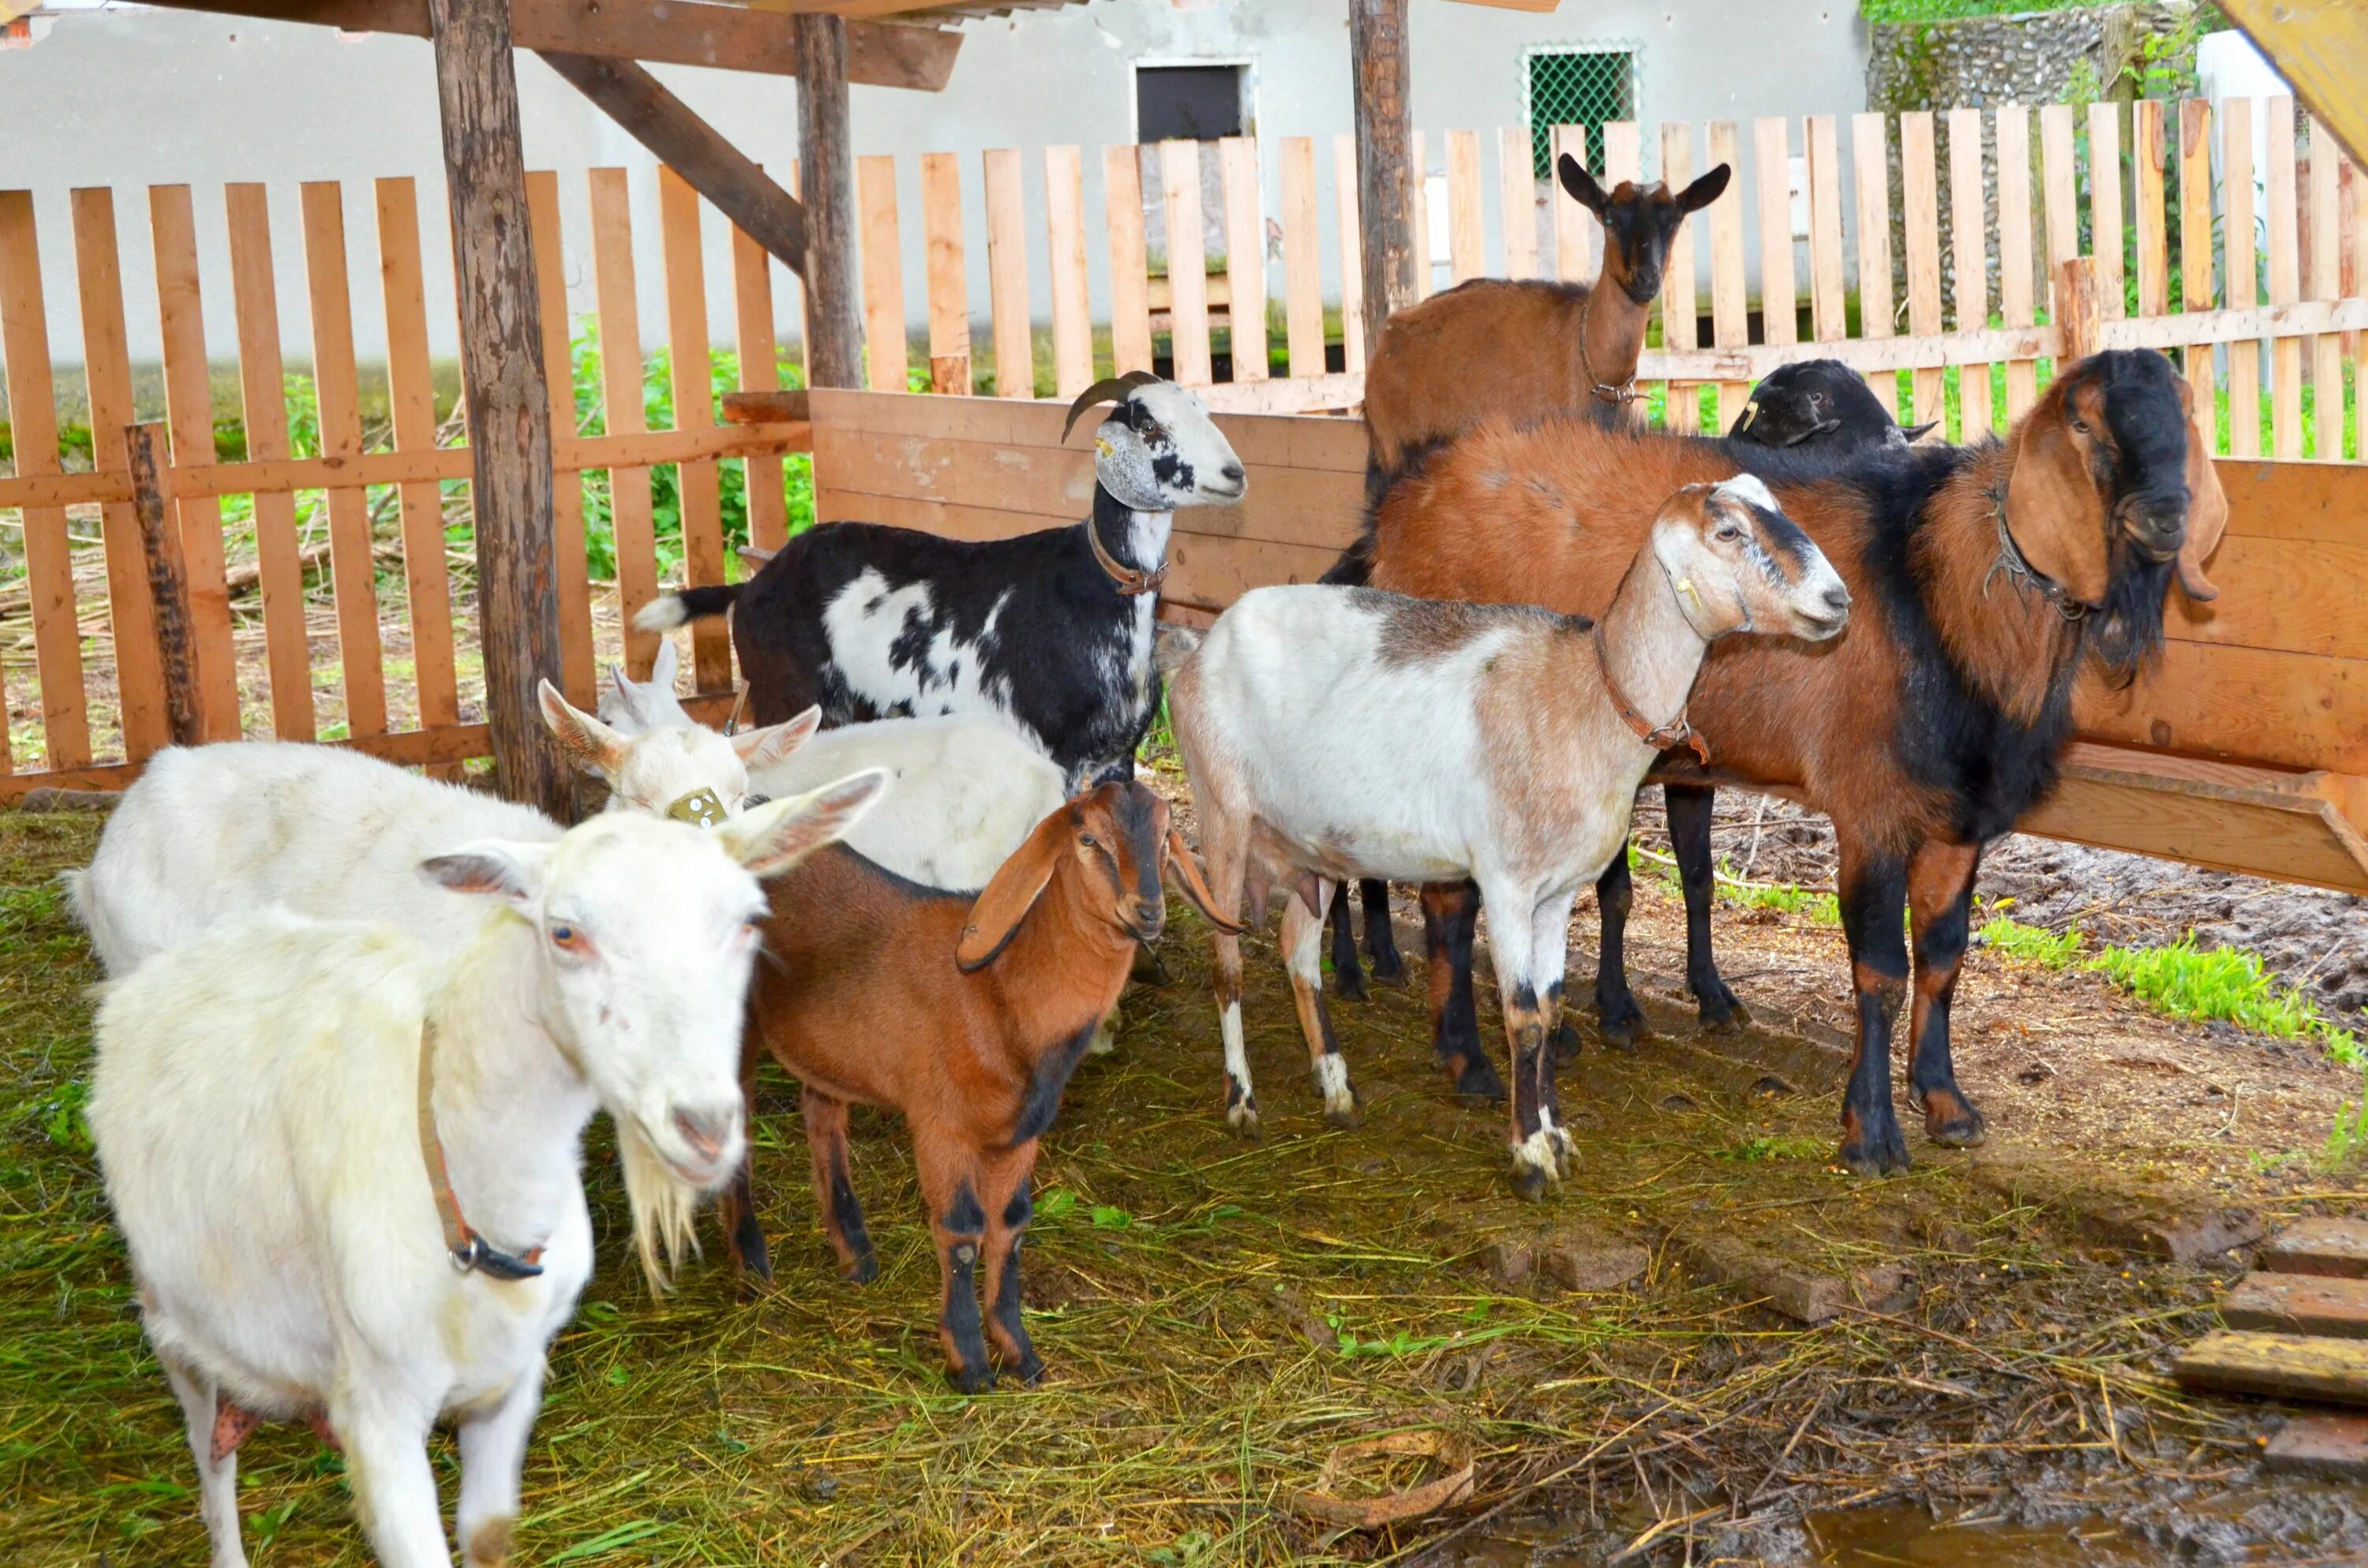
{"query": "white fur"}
pixel 863 621
pixel 255 1104
pixel 968 790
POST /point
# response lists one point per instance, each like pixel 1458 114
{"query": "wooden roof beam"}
pixel 2320 47
pixel 693 149
pixel 682 32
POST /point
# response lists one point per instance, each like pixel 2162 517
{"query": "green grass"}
pixel 1785 898
pixel 2031 944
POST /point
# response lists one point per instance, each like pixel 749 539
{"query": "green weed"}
pixel 1767 1148
pixel 2029 944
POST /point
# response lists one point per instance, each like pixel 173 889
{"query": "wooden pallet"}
pixel 2298 1329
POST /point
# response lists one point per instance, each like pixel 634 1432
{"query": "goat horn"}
pixel 1113 390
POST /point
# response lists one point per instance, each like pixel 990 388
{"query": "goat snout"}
pixel 1145 919
pixel 2156 525
pixel 710 1131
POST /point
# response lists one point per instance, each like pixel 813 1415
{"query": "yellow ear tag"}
pixel 1686 586
pixel 1102 446
pixel 699 808
pixel 1750 413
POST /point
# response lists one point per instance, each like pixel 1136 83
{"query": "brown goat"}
pixel 1529 350
pixel 1985 576
pixel 966 1013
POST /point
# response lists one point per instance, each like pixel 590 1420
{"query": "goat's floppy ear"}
pixel 1581 185
pixel 757 748
pixel 2052 506
pixel 1012 893
pixel 496 866
pixel 1705 191
pixel 776 835
pixel 590 746
pixel 1189 883
pixel 2207 515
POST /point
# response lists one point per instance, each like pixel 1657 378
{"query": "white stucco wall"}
pixel 130 98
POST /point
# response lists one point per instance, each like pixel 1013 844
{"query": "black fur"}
pixel 1052 1070
pixel 1817 402
pixel 963 1216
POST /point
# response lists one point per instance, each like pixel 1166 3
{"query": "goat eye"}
pixel 1730 532
pixel 2081 425
pixel 1087 839
pixel 568 939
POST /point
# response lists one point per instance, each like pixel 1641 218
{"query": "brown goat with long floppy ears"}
pixel 1985 576
pixel 966 1013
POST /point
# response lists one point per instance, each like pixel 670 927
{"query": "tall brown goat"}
pixel 966 1013
pixel 1985 576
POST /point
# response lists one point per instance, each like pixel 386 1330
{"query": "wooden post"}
pixel 169 581
pixel 2080 307
pixel 826 163
pixel 1384 121
pixel 509 400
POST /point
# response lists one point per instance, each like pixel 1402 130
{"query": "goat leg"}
pixel 1381 938
pixel 1873 900
pixel 1690 810
pixel 1348 971
pixel 743 1233
pixel 1303 931
pixel 1939 912
pixel 1450 914
pixel 1006 1177
pixel 958 1224
pixel 1618 1018
pixel 217 1473
pixel 842 1215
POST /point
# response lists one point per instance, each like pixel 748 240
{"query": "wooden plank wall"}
pixel 90 707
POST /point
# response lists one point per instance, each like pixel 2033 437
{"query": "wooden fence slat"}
pixel 2285 278
pixel 1130 268
pixel 189 419
pixel 1729 297
pixel 1302 264
pixel 2355 184
pixel 49 553
pixel 1245 256
pixel 1467 233
pixel 2016 306
pixel 2059 192
pixel 1828 315
pixel 1920 199
pixel 759 350
pixel 2105 202
pixel 1187 278
pixel 1679 317
pixel 619 313
pixel 262 389
pixel 2241 271
pixel 1969 230
pixel 883 273
pixel 1780 318
pixel 1870 181
pixel 2153 238
pixel 106 369
pixel 424 551
pixel 353 574
pixel 698 485
pixel 949 280
pixel 1574 225
pixel 1624 152
pixel 2326 282
pixel 2195 254
pixel 1352 252
pixel 1518 193
pixel 1418 220
pixel 1007 274
pixel 1065 254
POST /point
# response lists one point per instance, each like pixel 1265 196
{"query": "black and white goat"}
pixel 1050 631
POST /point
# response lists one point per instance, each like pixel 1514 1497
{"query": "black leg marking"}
pixel 1451 917
pixel 748 1243
pixel 1874 902
pixel 1348 974
pixel 1619 1019
pixel 1690 811
pixel 849 1212
pixel 1381 938
pixel 965 1343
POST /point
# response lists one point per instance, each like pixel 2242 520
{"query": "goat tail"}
pixel 119 951
pixel 670 610
pixel 663 1206
pixel 1176 646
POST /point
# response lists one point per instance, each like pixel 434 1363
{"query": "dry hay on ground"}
pixel 1217 1315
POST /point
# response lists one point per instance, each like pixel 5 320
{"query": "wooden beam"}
pixel 681 32
pixel 691 148
pixel 2320 47
pixel 509 400
pixel 1384 121
pixel 169 581
pixel 826 174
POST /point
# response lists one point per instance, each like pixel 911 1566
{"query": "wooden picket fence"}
pixel 2307 304
pixel 414 716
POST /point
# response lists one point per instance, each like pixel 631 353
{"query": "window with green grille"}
pixel 1577 86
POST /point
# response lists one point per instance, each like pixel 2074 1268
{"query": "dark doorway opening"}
pixel 1187 103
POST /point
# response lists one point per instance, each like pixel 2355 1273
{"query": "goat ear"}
pixel 1189 883
pixel 776 835
pixel 2207 515
pixel 757 748
pixel 2052 506
pixel 1705 191
pixel 591 745
pixel 663 666
pixel 1012 893
pixel 1581 185
pixel 496 867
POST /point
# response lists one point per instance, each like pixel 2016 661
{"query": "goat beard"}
pixel 2127 631
pixel 1125 467
pixel 663 1206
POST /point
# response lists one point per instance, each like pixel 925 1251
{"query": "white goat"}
pixel 319 1138
pixel 969 791
pixel 1336 733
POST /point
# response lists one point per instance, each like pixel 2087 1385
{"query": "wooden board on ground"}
pixel 1805 1295
pixel 2336 1248
pixel 2298 1303
pixel 2276 1366
pixel 2181 1225
pixel 2332 1447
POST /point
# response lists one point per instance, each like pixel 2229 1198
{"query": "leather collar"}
pixel 2023 574
pixel 1132 581
pixel 1603 392
pixel 470 1253
pixel 1676 733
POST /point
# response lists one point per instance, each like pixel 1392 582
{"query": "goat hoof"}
pixel 1720 1010
pixel 1880 1153
pixel 1563 1043
pixel 971 1379
pixel 1621 1023
pixel 1342 1115
pixel 1348 983
pixel 862 1271
pixel 1243 1118
pixel 1950 1120
pixel 1104 1040
pixel 1031 1369
pixel 1389 969
pixel 1476 1080
pixel 1530 1184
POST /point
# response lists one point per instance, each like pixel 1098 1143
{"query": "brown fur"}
pixel 860 995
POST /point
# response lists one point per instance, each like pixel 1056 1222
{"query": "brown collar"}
pixel 1603 392
pixel 471 1252
pixel 1669 737
pixel 1132 581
